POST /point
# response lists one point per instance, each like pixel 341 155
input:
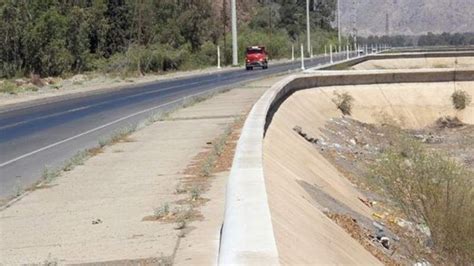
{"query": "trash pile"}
pixel 353 146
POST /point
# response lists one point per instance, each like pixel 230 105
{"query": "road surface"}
pixel 45 135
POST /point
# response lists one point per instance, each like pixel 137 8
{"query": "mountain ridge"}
pixel 407 17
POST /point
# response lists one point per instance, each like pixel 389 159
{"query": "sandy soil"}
pixel 304 186
pixel 103 211
pixel 415 63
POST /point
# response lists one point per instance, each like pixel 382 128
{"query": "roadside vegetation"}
pixel 132 38
pixel 418 184
pixel 460 99
pixel 344 102
pixel 431 189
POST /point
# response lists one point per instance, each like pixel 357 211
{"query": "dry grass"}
pixel 460 99
pixel 344 102
pixel 434 190
pixel 8 88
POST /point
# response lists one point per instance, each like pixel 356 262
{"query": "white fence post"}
pixel 302 58
pixel 292 52
pixel 218 57
pixel 330 54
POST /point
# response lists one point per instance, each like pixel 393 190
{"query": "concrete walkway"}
pixel 95 212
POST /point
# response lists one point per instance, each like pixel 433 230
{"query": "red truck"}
pixel 256 56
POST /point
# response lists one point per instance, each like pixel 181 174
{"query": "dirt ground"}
pixel 353 147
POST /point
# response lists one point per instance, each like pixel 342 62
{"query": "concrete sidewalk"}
pixel 95 212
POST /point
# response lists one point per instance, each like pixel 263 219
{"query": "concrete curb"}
pixel 247 235
pixel 246 240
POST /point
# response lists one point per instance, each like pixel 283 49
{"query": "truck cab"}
pixel 256 56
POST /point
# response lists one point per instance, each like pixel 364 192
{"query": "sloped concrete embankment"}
pixel 458 62
pixel 270 218
pixel 446 59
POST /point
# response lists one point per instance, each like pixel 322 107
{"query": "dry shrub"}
pixel 344 102
pixel 460 99
pixel 432 189
pixel 36 80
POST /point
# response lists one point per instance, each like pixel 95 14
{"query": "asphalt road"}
pixel 46 135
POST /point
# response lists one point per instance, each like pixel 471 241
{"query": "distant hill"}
pixel 408 17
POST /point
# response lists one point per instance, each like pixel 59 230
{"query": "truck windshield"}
pixel 254 51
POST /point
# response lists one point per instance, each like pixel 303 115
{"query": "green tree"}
pixel 117 36
pixel 46 45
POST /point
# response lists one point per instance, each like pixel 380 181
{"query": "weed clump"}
pixel 162 211
pixel 344 102
pixel 460 99
pixel 434 190
pixel 49 175
pixel 117 136
pixel 195 193
pixel 8 88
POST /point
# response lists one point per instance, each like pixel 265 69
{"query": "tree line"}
pixel 428 39
pixel 56 37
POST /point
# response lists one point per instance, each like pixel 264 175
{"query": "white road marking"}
pixel 115 121
pixel 97 128
pixel 93 105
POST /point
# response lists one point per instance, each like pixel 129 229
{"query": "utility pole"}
pixel 225 23
pixel 235 55
pixel 308 28
pixel 139 33
pixel 354 21
pixel 339 22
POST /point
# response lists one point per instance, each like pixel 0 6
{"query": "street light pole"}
pixel 235 56
pixel 308 29
pixel 339 22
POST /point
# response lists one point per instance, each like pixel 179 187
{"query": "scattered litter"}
pixel 300 132
pixel 378 226
pixel 366 202
pixel 378 215
pixel 424 229
pixel 422 263
pixel 385 241
pixel 449 122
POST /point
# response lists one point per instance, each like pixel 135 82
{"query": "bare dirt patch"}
pixel 364 237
